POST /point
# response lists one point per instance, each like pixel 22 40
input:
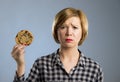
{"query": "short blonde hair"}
pixel 66 13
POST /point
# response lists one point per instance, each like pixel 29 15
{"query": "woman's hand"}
pixel 18 53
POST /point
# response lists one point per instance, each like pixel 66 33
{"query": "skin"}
pixel 18 53
pixel 71 29
pixel 69 35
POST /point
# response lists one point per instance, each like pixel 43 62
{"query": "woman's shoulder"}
pixel 89 62
pixel 46 58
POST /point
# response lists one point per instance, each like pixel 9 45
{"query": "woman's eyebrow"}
pixel 75 25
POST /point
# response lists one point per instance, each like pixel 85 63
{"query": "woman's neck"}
pixel 69 58
pixel 69 53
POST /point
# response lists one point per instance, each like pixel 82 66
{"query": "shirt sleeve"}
pixel 100 77
pixel 18 79
pixel 32 77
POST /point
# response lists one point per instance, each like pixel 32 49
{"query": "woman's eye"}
pixel 75 27
pixel 62 27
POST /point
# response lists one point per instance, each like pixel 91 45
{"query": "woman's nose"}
pixel 69 31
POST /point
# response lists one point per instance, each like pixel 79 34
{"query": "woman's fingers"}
pixel 18 53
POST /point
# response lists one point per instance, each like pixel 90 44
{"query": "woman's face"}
pixel 69 34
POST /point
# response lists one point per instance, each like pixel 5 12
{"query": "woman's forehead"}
pixel 73 21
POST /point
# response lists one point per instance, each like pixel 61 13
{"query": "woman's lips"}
pixel 68 40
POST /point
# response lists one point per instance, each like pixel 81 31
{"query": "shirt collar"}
pixel 56 59
pixel 81 61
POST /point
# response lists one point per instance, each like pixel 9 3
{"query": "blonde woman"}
pixel 66 64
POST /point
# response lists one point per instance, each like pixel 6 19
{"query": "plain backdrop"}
pixel 102 43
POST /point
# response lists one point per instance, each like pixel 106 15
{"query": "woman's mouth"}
pixel 68 40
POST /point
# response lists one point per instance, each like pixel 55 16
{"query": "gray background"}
pixel 102 43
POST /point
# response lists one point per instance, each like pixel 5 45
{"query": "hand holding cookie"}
pixel 24 37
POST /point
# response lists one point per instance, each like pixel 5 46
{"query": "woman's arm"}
pixel 18 53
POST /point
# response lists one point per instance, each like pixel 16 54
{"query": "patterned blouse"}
pixel 49 68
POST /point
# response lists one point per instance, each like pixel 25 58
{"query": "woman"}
pixel 66 64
